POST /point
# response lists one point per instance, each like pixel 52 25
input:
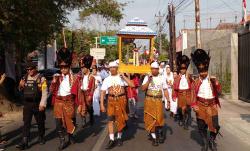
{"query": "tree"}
pixel 26 25
pixel 84 39
pixel 109 9
pixel 165 46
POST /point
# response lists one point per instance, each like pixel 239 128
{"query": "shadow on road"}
pixel 88 130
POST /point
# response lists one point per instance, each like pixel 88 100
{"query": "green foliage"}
pixel 84 39
pixel 165 44
pixel 162 58
pixel 27 24
pixel 109 9
pixel 226 83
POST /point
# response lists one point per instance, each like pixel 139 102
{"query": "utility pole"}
pixel 184 24
pixel 197 24
pixel 73 40
pixel 210 19
pixel 159 23
pixel 172 35
pixel 174 39
pixel 170 20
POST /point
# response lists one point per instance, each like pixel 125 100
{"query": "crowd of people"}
pixel 99 89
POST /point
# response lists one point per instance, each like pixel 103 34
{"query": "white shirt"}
pixel 104 74
pixel 161 71
pixel 113 81
pixel 64 88
pixel 157 84
pixel 183 83
pixel 98 81
pixel 169 78
pixel 85 82
pixel 205 90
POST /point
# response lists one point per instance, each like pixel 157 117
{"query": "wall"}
pixel 220 45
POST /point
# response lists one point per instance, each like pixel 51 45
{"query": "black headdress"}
pixel 31 65
pixel 64 56
pixel 183 59
pixel 201 60
pixel 86 61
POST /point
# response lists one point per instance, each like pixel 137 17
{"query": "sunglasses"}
pixel 64 66
pixel 29 69
pixel 202 70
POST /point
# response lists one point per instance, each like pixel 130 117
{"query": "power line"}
pixel 180 4
pixel 228 5
pixel 184 7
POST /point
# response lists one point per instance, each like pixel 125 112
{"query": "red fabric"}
pixel 176 85
pixel 54 87
pixel 216 88
pixel 75 90
pixel 131 91
pixel 136 81
pixel 82 97
pixel 54 90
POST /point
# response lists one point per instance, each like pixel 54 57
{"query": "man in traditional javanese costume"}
pixel 182 91
pixel 154 84
pixel 117 102
pixel 205 92
pixel 63 100
pixel 84 86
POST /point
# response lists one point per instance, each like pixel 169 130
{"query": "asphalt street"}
pixel 94 138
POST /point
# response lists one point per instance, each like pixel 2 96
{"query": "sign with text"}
pixel 108 40
pixel 98 53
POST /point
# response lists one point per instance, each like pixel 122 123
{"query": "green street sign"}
pixel 108 40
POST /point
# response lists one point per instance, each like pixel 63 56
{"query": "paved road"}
pixel 135 137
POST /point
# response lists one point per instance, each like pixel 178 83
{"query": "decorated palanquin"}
pixel 133 58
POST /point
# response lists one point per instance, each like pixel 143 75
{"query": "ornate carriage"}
pixel 134 59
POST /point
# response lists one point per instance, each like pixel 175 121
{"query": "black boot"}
pixel 91 119
pixel 71 138
pixel 180 116
pixel 185 118
pixel 186 121
pixel 62 144
pixel 212 144
pixel 160 135
pixel 110 144
pixel 155 142
pixel 175 118
pixel 41 140
pixel 91 115
pixel 119 142
pixel 23 144
pixel 205 142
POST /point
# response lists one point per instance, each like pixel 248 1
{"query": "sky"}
pixel 217 10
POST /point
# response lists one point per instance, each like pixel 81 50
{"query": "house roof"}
pixel 226 26
pixel 138 27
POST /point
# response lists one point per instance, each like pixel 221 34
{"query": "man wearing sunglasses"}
pixel 34 88
pixel 85 86
pixel 205 93
pixel 182 91
pixel 63 100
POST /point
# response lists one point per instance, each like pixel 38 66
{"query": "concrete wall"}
pixel 223 48
pixel 234 67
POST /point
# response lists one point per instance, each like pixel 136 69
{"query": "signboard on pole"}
pixel 108 40
pixel 98 53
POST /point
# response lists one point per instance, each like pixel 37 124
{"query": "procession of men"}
pixel 87 94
